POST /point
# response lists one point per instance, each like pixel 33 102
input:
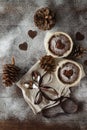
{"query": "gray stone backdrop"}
pixel 16 19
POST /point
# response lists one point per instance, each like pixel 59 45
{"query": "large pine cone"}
pixel 10 74
pixel 48 63
pixel 44 18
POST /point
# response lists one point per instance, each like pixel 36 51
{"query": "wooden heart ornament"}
pixel 23 46
pixel 32 33
pixel 79 36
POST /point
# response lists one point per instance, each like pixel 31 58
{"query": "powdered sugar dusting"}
pixel 53 44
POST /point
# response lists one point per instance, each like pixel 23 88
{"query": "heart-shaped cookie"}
pixel 32 33
pixel 23 46
pixel 79 36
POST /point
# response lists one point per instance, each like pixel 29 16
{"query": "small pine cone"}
pixel 10 74
pixel 48 63
pixel 44 18
pixel 78 51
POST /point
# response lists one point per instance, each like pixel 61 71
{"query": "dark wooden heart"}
pixel 32 33
pixel 23 46
pixel 79 36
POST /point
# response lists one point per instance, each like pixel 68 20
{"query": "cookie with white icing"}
pixel 58 44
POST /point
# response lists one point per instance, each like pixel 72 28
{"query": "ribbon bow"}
pixel 45 91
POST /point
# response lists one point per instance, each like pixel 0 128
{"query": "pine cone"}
pixel 78 51
pixel 10 74
pixel 48 63
pixel 44 18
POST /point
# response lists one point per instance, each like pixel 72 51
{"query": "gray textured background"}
pixel 16 19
